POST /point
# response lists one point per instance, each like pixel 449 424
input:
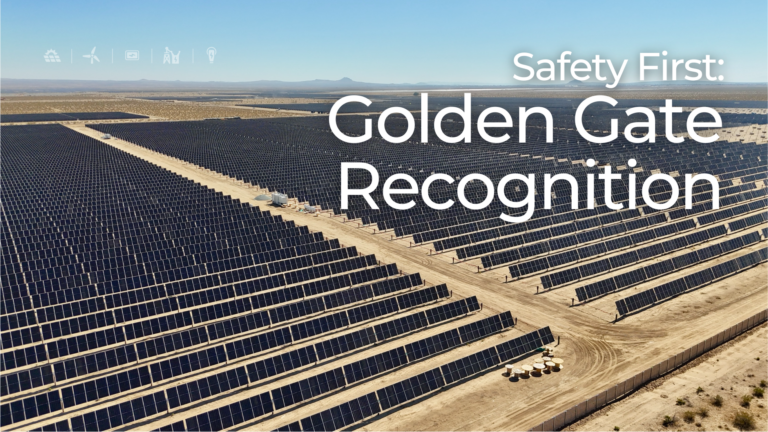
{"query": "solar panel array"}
pixel 348 413
pixel 567 245
pixel 585 244
pixel 693 281
pixel 660 268
pixel 348 374
pixel 123 281
pixel 306 145
pixel 119 277
pixel 125 381
pixel 48 117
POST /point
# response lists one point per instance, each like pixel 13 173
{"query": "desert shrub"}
pixel 744 421
pixel 717 401
pixel 703 412
pixel 763 383
pixel 699 390
pixel 680 401
pixel 689 416
pixel 616 428
pixel 668 421
pixel 758 392
pixel 745 400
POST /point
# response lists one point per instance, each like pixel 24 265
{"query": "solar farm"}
pixel 144 287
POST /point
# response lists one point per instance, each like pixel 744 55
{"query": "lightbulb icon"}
pixel 211 51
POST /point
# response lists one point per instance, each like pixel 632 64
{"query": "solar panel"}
pixel 249 409
pixel 621 307
pixel 375 365
pixel 594 268
pixel 480 329
pixel 524 344
pixel 400 326
pixel 309 388
pixel 450 310
pixel 409 389
pixel 467 366
pixel 598 288
pixel 279 364
pixel 432 345
pixel 339 345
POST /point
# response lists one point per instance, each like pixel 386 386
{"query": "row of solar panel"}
pixel 568 241
pixel 563 225
pixel 128 380
pixel 265 171
pixel 31 355
pixel 93 340
pixel 183 268
pixel 137 276
pixel 640 225
pixel 582 217
pixel 678 286
pixel 53 293
pixel 323 324
pixel 253 372
pixel 409 220
pixel 586 270
pixel 346 414
pixel 433 226
pixel 185 242
pixel 48 280
pixel 81 366
pixel 660 268
pixel 122 315
pixel 642 254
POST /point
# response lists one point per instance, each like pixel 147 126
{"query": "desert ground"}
pixel 731 371
pixel 163 110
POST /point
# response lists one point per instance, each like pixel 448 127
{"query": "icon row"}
pixel 169 57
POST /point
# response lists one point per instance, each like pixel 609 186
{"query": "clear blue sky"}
pixel 372 41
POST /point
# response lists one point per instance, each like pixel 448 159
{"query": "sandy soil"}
pixel 597 353
pixel 748 133
pixel 731 371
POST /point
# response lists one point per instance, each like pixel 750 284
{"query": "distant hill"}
pixel 14 85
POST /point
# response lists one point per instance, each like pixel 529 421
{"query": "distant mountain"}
pixel 13 85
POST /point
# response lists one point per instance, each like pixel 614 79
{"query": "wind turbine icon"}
pixel 92 55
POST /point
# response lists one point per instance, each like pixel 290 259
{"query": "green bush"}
pixel 758 392
pixel 717 401
pixel 689 416
pixel 680 401
pixel 703 412
pixel 616 428
pixel 699 390
pixel 763 383
pixel 668 421
pixel 745 400
pixel 744 421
